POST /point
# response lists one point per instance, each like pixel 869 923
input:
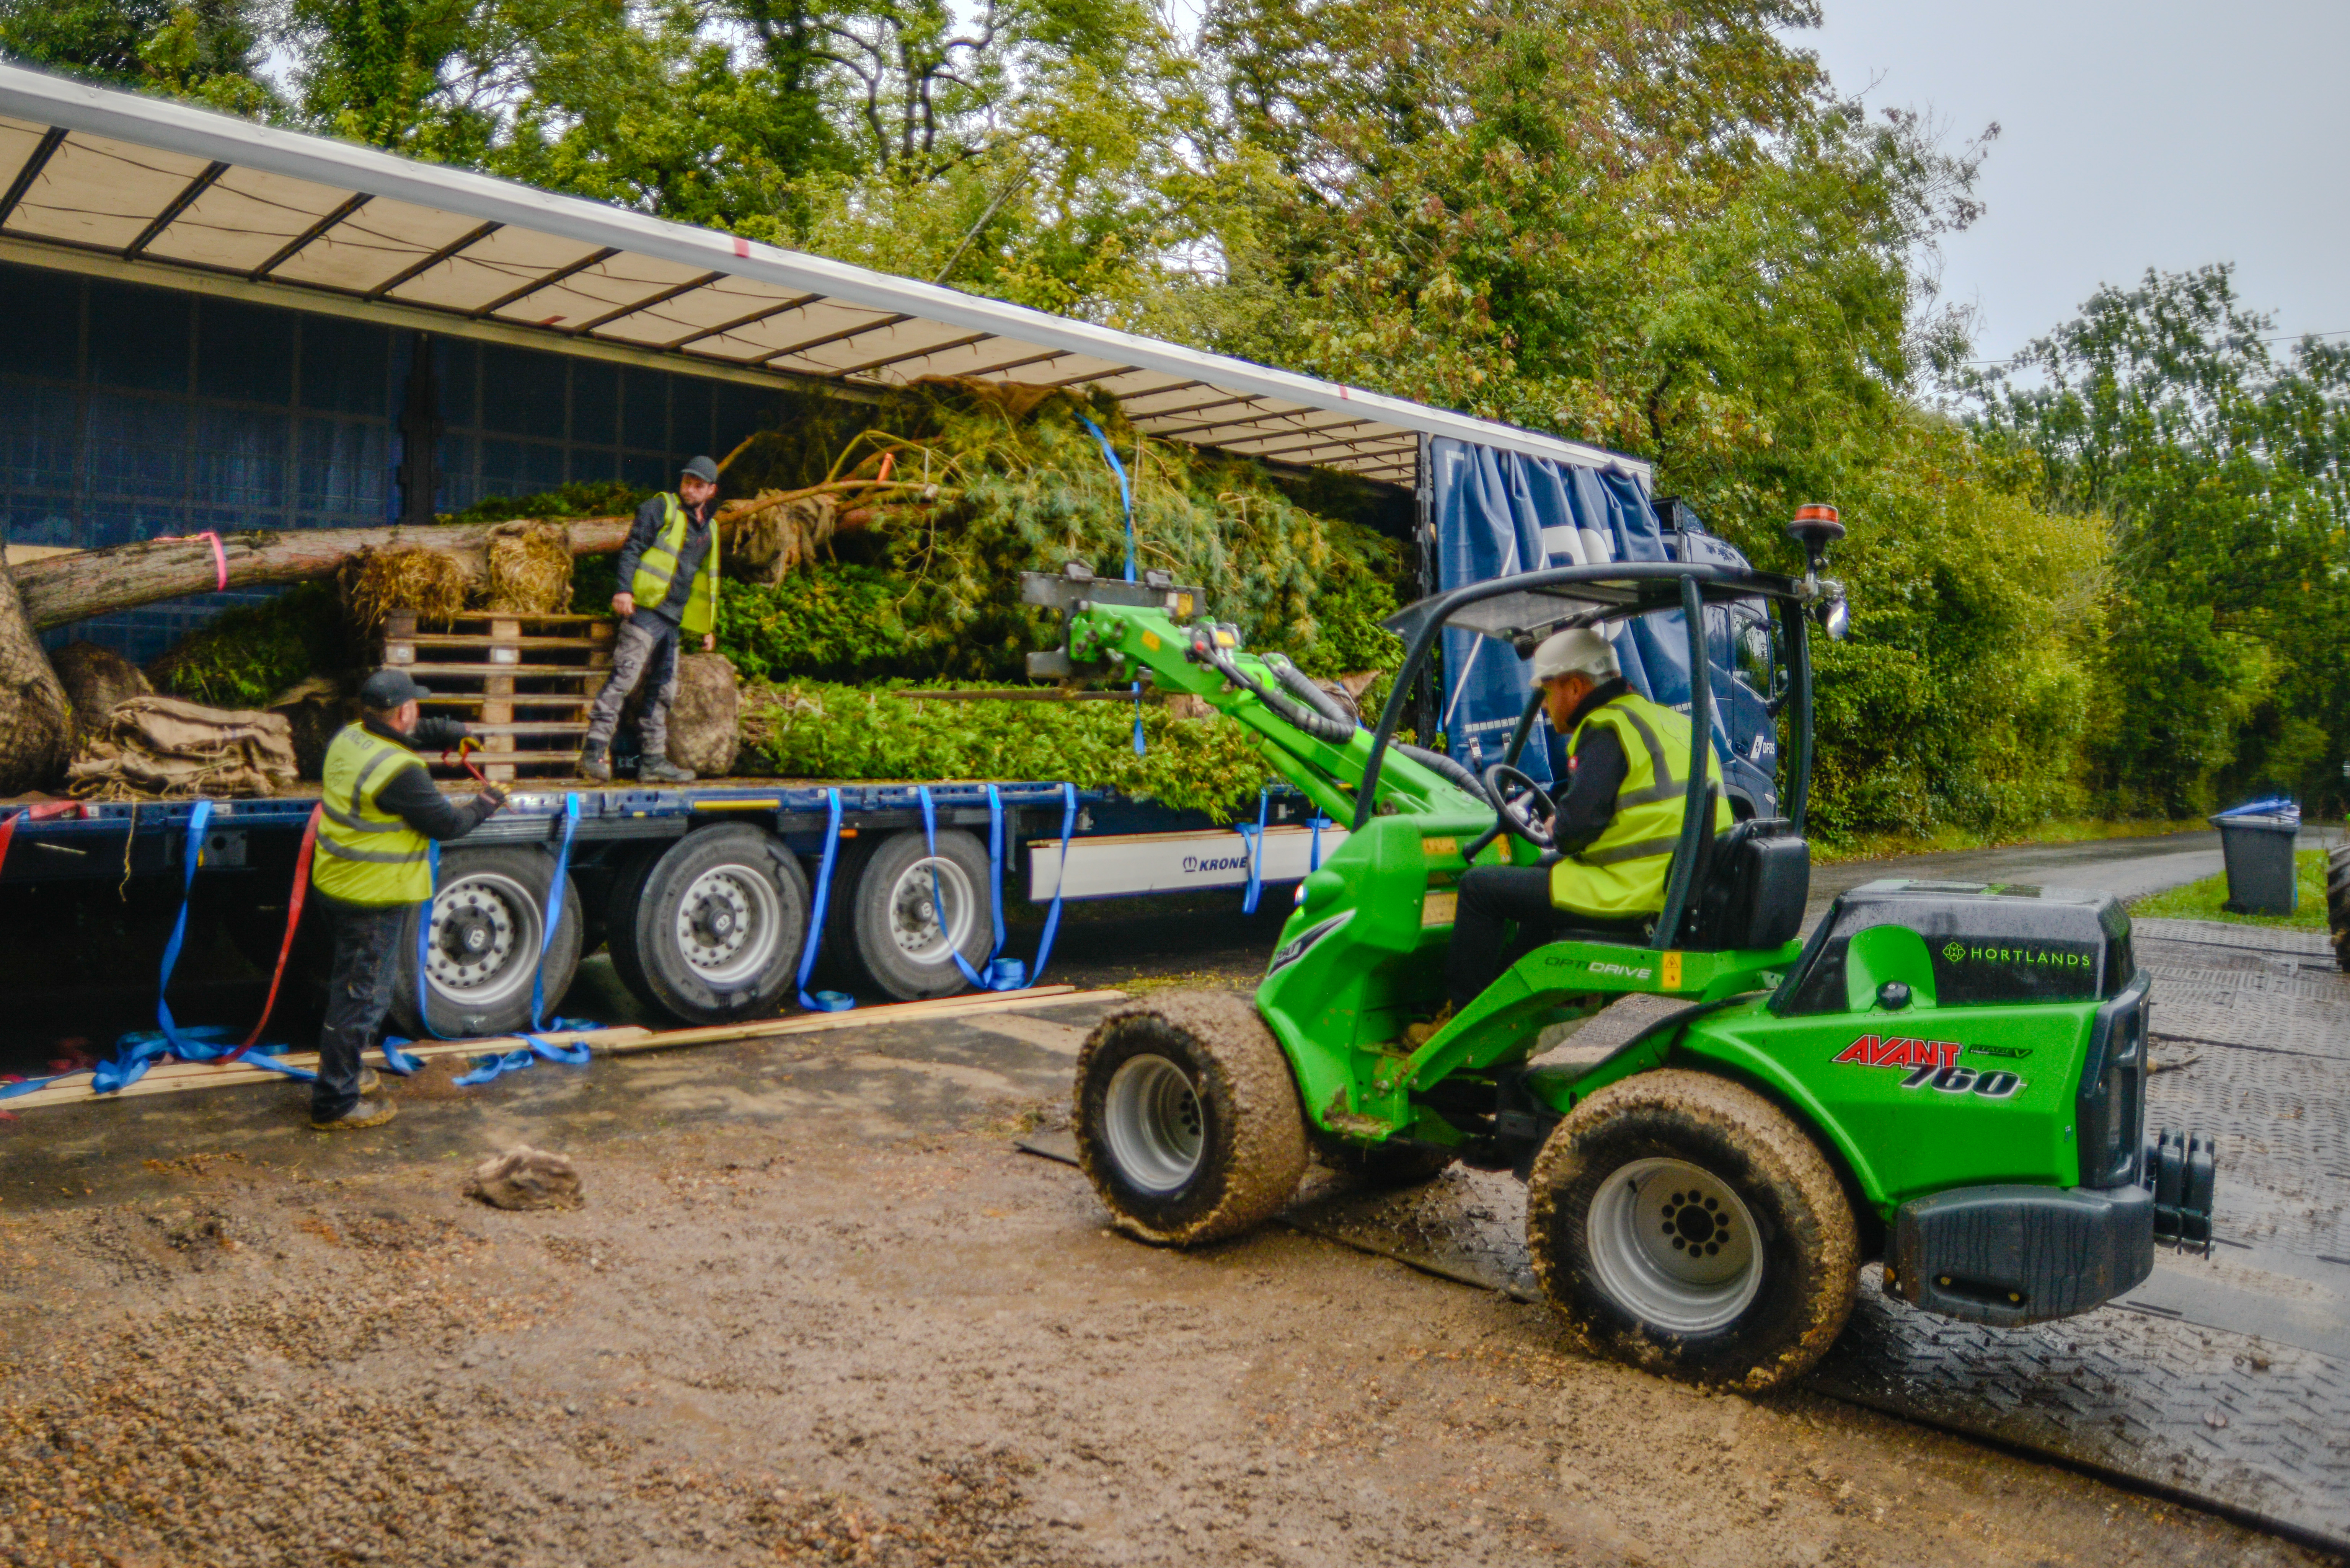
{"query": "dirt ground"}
pixel 820 1310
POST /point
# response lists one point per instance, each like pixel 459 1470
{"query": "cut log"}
pixel 36 719
pixel 86 583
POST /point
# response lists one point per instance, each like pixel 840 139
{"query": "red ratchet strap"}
pixel 220 554
pixel 465 760
pixel 41 813
pixel 293 924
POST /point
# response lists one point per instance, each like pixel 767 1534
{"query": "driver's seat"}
pixel 1749 888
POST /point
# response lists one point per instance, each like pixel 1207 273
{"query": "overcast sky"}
pixel 2134 133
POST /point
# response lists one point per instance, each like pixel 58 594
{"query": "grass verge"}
pixel 2203 901
pixel 1882 846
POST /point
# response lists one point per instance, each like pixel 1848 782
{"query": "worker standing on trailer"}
pixel 668 589
pixel 1615 832
pixel 372 866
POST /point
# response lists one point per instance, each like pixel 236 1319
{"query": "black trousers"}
pixel 358 994
pixel 1492 898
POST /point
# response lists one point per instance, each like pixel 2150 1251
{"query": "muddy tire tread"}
pixel 1785 1156
pixel 1269 1148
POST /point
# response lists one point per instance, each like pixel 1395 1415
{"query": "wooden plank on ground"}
pixel 177 1077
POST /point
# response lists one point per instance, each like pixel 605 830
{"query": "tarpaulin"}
pixel 1497 512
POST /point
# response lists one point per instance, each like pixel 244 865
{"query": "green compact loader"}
pixel 1946 1076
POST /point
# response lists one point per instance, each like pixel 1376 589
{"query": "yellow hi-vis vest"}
pixel 367 855
pixel 1621 873
pixel 655 568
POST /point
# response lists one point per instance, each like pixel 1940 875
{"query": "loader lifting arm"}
pixel 1119 628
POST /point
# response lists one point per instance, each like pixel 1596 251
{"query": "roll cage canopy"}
pixel 1524 609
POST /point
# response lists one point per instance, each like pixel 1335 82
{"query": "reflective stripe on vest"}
pixel 657 570
pixel 367 855
pixel 1622 872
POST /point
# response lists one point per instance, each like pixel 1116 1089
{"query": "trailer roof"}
pixel 104 181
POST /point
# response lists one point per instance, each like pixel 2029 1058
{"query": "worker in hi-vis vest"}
pixel 379 813
pixel 1617 823
pixel 668 589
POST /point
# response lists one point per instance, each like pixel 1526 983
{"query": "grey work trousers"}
pixel 358 994
pixel 646 648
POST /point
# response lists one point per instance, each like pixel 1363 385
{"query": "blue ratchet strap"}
pixel 823 1001
pixel 1254 838
pixel 134 1054
pixel 1125 499
pixel 1052 916
pixel 424 943
pixel 574 1055
pixel 1314 850
pixel 997 973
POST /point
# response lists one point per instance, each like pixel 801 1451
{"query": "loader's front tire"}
pixel 1686 1224
pixel 1187 1118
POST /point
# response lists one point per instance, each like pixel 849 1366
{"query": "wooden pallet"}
pixel 522 683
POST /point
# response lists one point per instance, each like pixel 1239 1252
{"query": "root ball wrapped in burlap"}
pixel 95 680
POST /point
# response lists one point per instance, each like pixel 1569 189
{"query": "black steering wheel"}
pixel 1520 805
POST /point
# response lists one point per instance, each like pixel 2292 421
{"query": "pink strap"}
pixel 220 554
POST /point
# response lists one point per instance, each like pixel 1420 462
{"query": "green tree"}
pixel 208 50
pixel 2218 471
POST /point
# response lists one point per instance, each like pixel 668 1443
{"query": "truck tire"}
pixel 1187 1118
pixel 488 923
pixel 898 945
pixel 1686 1224
pixel 709 929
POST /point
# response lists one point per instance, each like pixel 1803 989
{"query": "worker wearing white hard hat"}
pixel 1617 823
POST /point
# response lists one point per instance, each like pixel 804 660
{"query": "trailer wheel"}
pixel 1685 1224
pixel 1187 1118
pixel 905 939
pixel 709 929
pixel 482 949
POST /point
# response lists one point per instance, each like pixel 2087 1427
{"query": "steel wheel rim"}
pixel 1674 1245
pixel 914 923
pixel 507 913
pixel 1153 1124
pixel 728 924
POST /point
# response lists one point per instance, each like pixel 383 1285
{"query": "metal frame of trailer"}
pixel 707 895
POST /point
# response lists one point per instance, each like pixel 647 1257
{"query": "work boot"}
pixel 593 764
pixel 370 1081
pixel 366 1113
pixel 660 770
pixel 1416 1035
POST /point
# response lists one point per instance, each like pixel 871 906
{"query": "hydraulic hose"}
pixel 1300 685
pixel 1338 732
pixel 1445 768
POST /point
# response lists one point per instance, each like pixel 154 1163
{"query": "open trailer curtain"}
pixel 1497 512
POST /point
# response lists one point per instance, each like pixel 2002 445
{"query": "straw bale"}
pixel 432 585
pixel 530 567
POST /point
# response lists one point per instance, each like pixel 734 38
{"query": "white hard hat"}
pixel 1578 650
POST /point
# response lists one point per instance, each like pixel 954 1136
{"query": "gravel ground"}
pixel 754 1345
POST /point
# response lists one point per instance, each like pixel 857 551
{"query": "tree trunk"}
pixel 62 588
pixel 121 576
pixel 36 722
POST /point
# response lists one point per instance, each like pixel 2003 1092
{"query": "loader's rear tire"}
pixel 1187 1118
pixel 1686 1224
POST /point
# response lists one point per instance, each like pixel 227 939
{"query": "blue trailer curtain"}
pixel 1498 513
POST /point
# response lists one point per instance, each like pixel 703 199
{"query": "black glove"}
pixel 494 794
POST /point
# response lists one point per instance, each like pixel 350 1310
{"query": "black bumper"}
pixel 2012 1255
